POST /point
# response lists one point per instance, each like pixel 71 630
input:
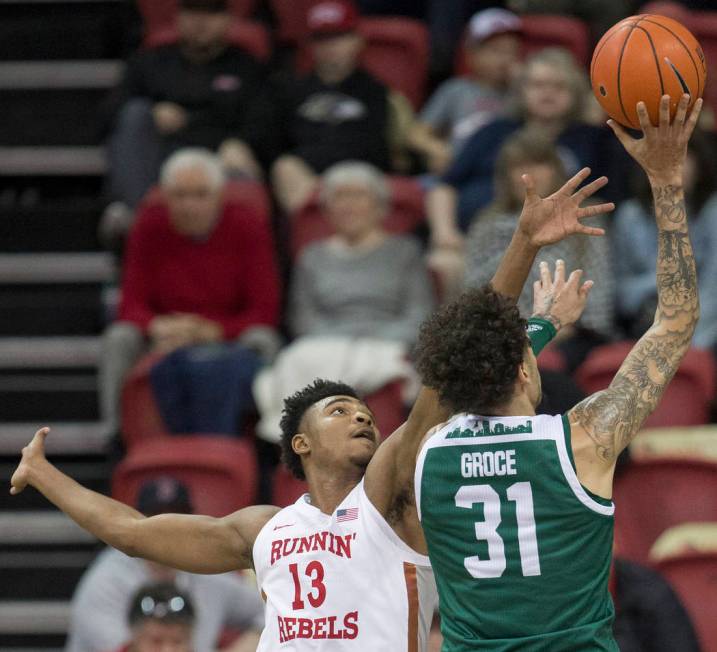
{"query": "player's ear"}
pixel 523 373
pixel 300 443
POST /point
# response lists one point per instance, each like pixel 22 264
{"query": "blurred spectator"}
pixel 161 619
pixel 336 112
pixel 463 104
pixel 104 595
pixel 635 233
pixel 194 93
pixel 550 97
pixel 648 615
pixel 198 270
pixel 356 300
pixel 530 152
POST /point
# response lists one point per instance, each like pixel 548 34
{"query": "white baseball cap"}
pixel 491 22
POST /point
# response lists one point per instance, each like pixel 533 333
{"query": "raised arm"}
pixel 196 544
pixel 543 221
pixel 605 423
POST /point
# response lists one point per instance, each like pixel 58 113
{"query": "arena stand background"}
pixel 57 287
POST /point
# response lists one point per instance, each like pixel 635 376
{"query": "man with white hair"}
pixel 199 268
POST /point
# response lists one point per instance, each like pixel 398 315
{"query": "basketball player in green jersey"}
pixel 516 508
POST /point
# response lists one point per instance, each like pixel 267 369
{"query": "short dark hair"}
pixel 161 601
pixel 295 406
pixel 470 350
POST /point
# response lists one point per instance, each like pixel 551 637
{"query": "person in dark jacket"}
pixel 336 112
pixel 197 92
pixel 648 614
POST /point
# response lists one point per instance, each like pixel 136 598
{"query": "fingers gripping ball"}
pixel 642 58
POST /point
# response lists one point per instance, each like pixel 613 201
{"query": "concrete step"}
pixel 34 616
pixel 41 527
pixel 53 268
pixel 52 161
pixel 64 439
pixel 60 74
pixel 53 352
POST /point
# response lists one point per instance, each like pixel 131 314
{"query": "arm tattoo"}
pixel 613 417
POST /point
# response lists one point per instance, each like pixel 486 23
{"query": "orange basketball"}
pixel 643 58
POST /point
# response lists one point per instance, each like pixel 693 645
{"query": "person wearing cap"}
pixel 161 619
pixel 104 595
pixel 197 92
pixel 463 104
pixel 336 112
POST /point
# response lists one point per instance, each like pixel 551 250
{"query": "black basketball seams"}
pixel 657 61
pixel 597 52
pixel 687 49
pixel 619 66
pixel 680 78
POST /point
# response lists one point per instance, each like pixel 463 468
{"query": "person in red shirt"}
pixel 162 620
pixel 199 268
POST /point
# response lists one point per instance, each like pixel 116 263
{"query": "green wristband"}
pixel 540 332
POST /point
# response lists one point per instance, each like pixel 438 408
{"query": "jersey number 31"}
pixel 487 530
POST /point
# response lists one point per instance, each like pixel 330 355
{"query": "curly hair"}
pixel 295 406
pixel 470 350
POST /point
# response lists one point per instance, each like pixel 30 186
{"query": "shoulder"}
pixel 451 87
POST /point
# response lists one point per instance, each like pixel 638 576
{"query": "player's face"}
pixel 547 93
pixel 202 30
pixel 193 202
pixel 341 430
pixel 354 211
pixel 156 636
pixel 495 60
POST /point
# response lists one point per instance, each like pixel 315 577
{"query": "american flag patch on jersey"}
pixel 350 514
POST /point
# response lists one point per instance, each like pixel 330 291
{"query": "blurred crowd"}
pixel 292 217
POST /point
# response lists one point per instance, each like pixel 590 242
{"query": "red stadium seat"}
pixel 545 30
pixel 141 420
pixel 405 216
pixel 686 401
pixel 244 34
pixel 220 472
pixel 396 53
pixel 552 359
pixel 653 495
pixel 290 18
pixel 387 406
pixel 694 577
pixel 285 488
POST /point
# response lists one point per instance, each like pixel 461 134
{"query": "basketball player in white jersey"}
pixel 345 567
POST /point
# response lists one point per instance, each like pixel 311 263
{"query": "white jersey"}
pixel 343 581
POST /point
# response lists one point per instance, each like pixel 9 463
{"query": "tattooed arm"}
pixel 605 423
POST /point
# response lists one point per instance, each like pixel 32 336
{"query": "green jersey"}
pixel 520 550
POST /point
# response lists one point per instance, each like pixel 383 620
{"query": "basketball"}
pixel 642 58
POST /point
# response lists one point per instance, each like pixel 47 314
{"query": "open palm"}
pixel 546 220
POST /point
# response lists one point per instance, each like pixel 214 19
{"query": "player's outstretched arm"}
pixel 611 418
pixel 197 544
pixel 544 221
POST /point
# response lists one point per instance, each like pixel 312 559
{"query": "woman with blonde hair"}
pixel 550 98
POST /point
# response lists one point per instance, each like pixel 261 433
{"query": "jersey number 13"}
pixel 487 530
